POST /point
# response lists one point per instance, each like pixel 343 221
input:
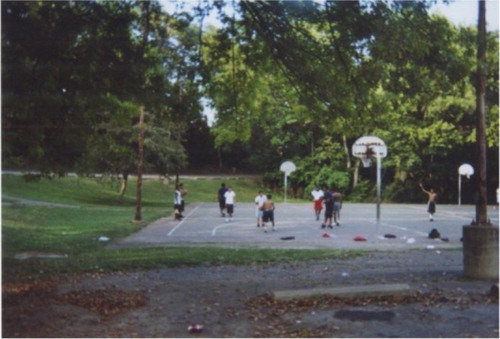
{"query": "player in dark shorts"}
pixel 328 201
pixel 431 203
pixel 230 196
pixel 268 215
pixel 222 200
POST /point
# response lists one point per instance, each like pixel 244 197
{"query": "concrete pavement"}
pixel 407 224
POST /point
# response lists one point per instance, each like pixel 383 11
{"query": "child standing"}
pixel 431 203
pixel 230 197
pixel 318 201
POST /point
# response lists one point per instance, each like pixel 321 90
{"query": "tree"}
pixel 380 68
pixel 56 88
pixel 296 80
pixel 84 89
pixel 159 146
pixel 42 117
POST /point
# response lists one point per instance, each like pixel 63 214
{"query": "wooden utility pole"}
pixel 140 168
pixel 481 203
pixel 480 240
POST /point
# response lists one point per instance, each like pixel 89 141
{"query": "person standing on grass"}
pixel 260 199
pixel 230 198
pixel 431 203
pixel 318 201
pixel 268 215
pixel 337 206
pixel 177 203
pixel 328 201
pixel 222 200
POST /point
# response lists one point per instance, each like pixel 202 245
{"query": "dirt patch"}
pixel 105 302
pixel 236 301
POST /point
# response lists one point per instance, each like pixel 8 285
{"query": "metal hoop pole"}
pixel 379 184
pixel 285 187
pixel 459 189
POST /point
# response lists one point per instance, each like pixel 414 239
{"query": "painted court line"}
pixel 402 228
pixel 280 225
pixel 226 224
pixel 183 220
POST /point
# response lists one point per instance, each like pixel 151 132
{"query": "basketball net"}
pixel 367 162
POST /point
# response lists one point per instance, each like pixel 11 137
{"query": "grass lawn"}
pixel 88 208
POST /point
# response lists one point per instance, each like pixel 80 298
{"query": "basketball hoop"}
pixel 366 148
pixel 287 167
pixel 466 170
pixel 367 162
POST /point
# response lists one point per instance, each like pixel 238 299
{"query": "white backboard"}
pixel 288 167
pixel 466 170
pixel 370 142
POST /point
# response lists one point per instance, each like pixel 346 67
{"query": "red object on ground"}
pixel 359 238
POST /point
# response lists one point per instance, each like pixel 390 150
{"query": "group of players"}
pixel 264 206
pixel 332 201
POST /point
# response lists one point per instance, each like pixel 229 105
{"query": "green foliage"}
pixel 396 72
pixel 365 191
pixel 332 179
pixel 288 80
pixel 492 133
pixel 273 180
pixel 81 92
pixel 403 192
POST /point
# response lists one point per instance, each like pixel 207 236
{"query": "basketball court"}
pixel 401 226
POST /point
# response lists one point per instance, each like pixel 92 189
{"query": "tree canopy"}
pixel 289 80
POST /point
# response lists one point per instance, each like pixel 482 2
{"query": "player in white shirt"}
pixel 260 199
pixel 230 197
pixel 318 201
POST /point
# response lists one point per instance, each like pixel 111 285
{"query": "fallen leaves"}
pixel 28 287
pixel 430 298
pixel 105 302
pixel 269 314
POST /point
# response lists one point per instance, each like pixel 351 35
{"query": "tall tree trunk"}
pixel 145 23
pixel 481 204
pixel 140 168
pixel 355 173
pixel 347 152
pixel 355 176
